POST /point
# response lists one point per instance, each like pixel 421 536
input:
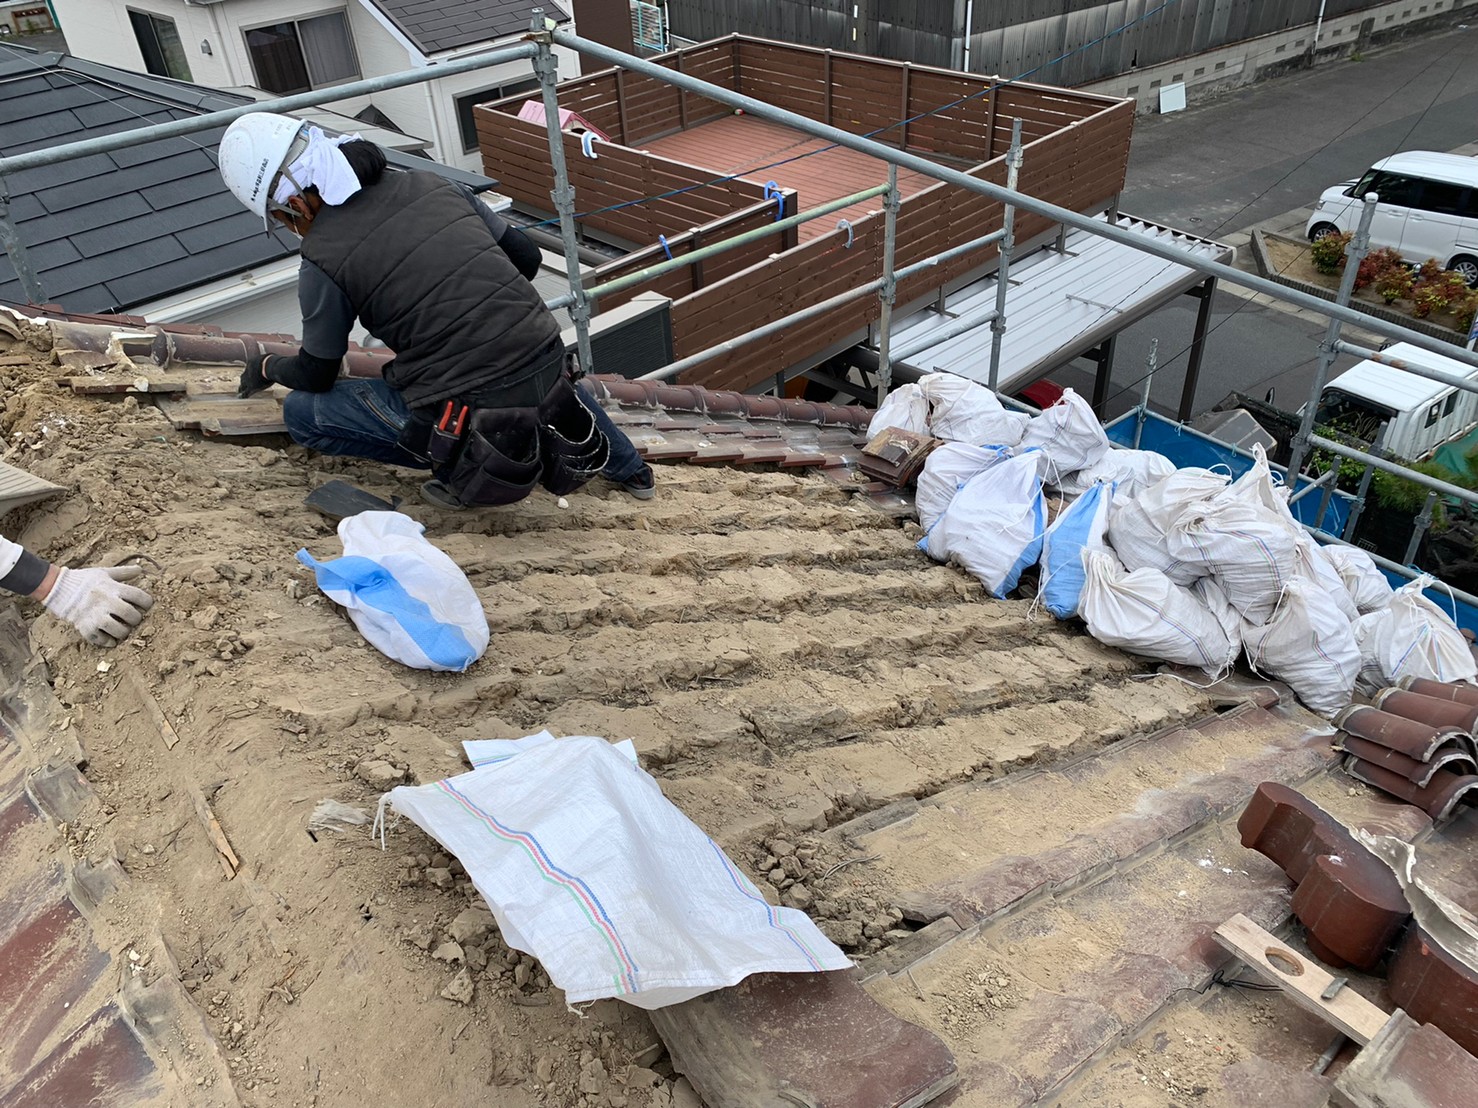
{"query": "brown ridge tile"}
pixel 1353 908
pixel 1455 760
pixel 1430 710
pixel 1438 798
pixel 1414 739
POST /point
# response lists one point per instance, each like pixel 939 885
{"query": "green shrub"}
pixel 1328 253
pixel 1465 309
pixel 1395 284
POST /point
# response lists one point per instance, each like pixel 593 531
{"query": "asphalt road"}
pixel 1250 156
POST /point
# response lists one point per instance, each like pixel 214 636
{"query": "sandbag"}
pixel 1308 643
pixel 404 595
pixel 590 869
pixel 1132 471
pixel 1411 637
pixel 905 407
pixel 947 468
pixel 1249 551
pixel 1261 488
pixel 1137 525
pixel 1146 613
pixel 1209 593
pixel 1362 578
pixel 961 410
pixel 1312 561
pixel 993 526
pixel 1081 526
pixel 1069 436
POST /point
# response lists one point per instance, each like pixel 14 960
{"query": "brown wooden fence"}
pixel 1075 155
pixel 701 274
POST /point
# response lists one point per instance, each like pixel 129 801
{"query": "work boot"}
pixel 641 484
pixel 438 495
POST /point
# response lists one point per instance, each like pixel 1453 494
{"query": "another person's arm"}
pixel 328 317
pixel 98 601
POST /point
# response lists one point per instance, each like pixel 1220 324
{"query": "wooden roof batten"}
pixel 685 170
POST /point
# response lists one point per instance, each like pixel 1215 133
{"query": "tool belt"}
pixel 489 456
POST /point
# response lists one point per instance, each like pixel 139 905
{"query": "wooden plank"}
pixel 1303 981
pixel 167 734
pixel 227 857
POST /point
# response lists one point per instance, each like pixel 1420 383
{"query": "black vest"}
pixel 427 278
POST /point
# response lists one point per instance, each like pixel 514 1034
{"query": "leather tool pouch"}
pixel 415 436
pixel 500 460
pixel 572 447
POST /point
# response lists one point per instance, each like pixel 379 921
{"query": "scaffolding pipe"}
pixel 1395 567
pixel 620 284
pixel 1358 507
pixel 1003 266
pixel 956 326
pixel 1445 488
pixel 764 332
pixel 1144 401
pixel 888 290
pixel 1056 214
pixel 1419 532
pixel 1355 249
pixel 953 252
pixel 546 69
pixel 19 259
pixel 1467 384
pixel 1316 483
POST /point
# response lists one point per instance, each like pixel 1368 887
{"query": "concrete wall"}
pixel 1269 55
pixel 100 31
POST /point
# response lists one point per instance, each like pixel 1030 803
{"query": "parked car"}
pixel 1428 209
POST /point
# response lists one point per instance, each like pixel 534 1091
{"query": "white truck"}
pixel 1423 414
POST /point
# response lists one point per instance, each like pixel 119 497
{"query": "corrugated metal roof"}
pixel 1058 305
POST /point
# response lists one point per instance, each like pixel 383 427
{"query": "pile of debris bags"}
pixel 1184 566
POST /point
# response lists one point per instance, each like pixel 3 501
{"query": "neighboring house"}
pixel 149 229
pixel 284 46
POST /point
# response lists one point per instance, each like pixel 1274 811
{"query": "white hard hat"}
pixel 252 152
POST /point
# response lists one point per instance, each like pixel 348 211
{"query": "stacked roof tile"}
pixel 1416 743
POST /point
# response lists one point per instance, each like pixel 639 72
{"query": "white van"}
pixel 1423 414
pixel 1428 209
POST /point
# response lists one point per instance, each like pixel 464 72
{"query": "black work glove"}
pixel 254 377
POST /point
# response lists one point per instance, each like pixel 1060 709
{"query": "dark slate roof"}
pixel 112 231
pixel 439 25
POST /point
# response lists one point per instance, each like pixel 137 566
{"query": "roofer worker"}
pixel 479 390
pixel 98 602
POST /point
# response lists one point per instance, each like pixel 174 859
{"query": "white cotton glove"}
pixel 98 603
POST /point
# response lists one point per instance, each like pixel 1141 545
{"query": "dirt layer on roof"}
pixel 784 658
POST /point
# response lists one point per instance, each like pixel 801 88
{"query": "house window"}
pixel 303 54
pixel 465 120
pixel 159 42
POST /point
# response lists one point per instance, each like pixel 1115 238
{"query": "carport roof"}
pixel 1059 304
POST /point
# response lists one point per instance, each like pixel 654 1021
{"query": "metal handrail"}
pixel 1002 194
pixel 712 250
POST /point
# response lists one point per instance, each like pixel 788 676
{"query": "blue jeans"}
pixel 362 417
